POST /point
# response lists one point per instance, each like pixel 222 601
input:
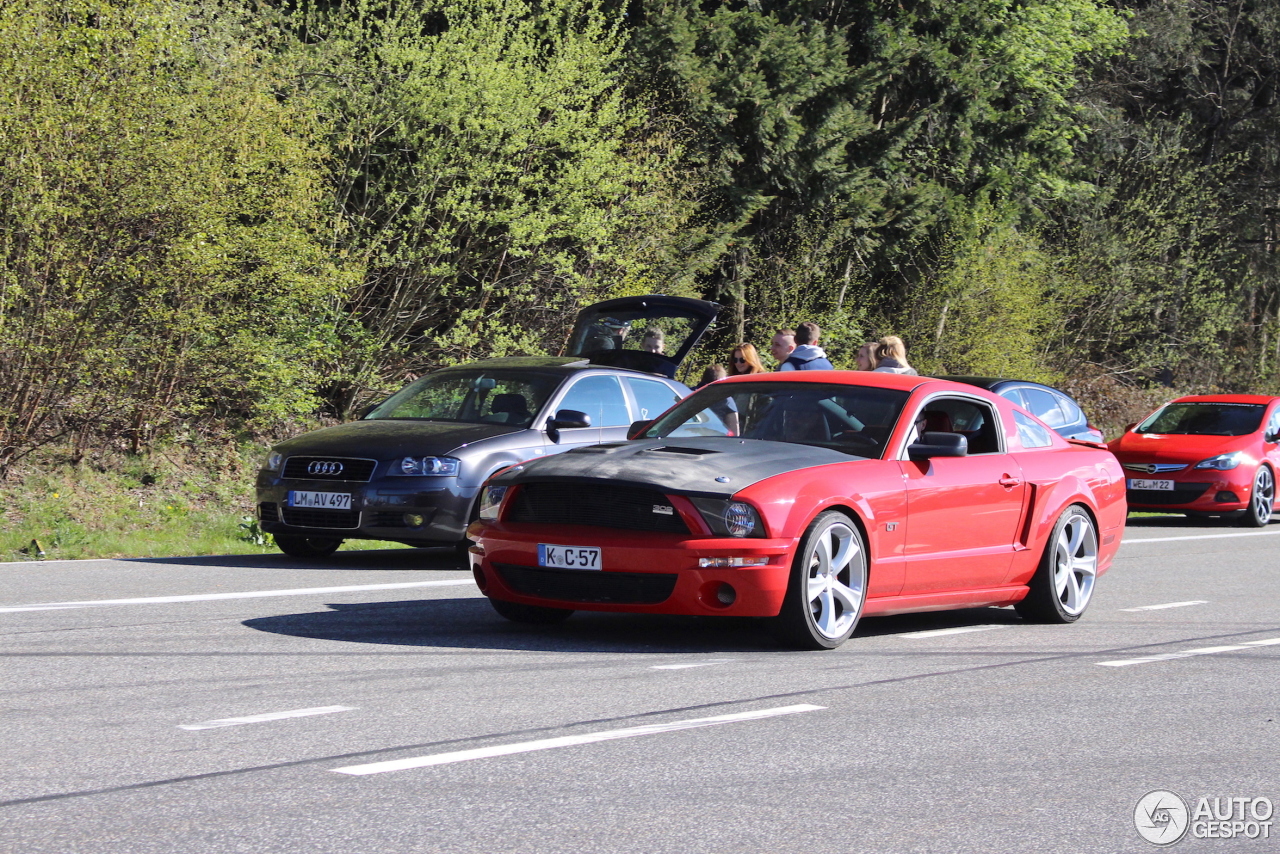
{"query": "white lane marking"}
pixel 1206 650
pixel 1199 537
pixel 255 594
pixel 567 741
pixel 1168 605
pixel 687 666
pixel 959 630
pixel 269 716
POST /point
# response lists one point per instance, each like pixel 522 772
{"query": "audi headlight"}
pixel 728 518
pixel 1222 462
pixel 274 459
pixel 491 502
pixel 429 466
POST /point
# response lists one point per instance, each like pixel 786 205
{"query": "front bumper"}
pixel 1203 491
pixel 379 510
pixel 641 572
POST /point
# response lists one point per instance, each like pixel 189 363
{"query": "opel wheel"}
pixel 828 585
pixel 1258 514
pixel 1063 583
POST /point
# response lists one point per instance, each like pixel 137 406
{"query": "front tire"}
pixel 828 585
pixel 1261 500
pixel 1063 584
pixel 307 547
pixel 537 615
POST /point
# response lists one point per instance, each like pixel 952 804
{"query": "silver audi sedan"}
pixel 410 470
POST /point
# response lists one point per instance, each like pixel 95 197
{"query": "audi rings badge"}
pixel 327 468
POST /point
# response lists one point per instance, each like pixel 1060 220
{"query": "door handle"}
pixel 1010 481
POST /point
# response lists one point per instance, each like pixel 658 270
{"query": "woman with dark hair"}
pixel 745 360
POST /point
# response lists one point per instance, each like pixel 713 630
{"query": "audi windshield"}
pixel 476 397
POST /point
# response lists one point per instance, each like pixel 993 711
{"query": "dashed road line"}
pixel 1188 653
pixel 694 664
pixel 269 716
pixel 567 741
pixel 1168 605
pixel 959 630
pixel 1199 537
pixel 254 594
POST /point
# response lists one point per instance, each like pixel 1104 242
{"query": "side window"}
pixel 601 398
pixel 971 419
pixel 652 397
pixel 1014 395
pixel 1031 434
pixel 1044 406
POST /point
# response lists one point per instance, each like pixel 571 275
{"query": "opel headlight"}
pixel 1222 462
pixel 274 459
pixel 491 502
pixel 429 466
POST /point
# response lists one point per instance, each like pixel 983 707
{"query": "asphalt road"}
pixel 374 703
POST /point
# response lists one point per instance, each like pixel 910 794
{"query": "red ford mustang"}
pixel 809 499
pixel 1210 454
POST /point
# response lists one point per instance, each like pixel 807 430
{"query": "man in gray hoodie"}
pixel 807 356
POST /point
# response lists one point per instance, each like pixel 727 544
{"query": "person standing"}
pixel 727 409
pixel 807 355
pixel 891 357
pixel 867 356
pixel 783 343
pixel 745 360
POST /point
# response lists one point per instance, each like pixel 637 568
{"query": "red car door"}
pixel 962 512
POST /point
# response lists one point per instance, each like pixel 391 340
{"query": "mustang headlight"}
pixel 431 466
pixel 730 518
pixel 491 501
pixel 274 459
pixel 1222 462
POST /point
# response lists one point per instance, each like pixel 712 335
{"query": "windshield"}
pixel 853 419
pixel 1205 419
pixel 476 397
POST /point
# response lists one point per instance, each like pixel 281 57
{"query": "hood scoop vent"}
pixel 689 452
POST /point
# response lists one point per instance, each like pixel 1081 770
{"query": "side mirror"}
pixel 638 427
pixel 1271 437
pixel 938 445
pixel 566 419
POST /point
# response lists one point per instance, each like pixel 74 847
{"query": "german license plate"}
pixel 1164 485
pixel 568 557
pixel 321 500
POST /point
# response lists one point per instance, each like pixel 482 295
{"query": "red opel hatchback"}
pixel 1207 454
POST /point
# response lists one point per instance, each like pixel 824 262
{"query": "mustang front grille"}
pixel 604 506
pixel 301 517
pixel 572 585
pixel 329 468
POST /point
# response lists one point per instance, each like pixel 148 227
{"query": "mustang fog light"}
pixel 704 562
pixel 739 519
pixel 414 520
pixel 726 595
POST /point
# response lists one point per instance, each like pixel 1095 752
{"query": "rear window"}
pixel 1204 419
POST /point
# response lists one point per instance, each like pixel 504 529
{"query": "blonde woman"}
pixel 867 356
pixel 891 357
pixel 744 360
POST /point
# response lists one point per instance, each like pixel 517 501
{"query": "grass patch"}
pixel 181 500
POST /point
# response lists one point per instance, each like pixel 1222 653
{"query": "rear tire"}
pixel 537 615
pixel 1261 500
pixel 1063 584
pixel 828 585
pixel 307 547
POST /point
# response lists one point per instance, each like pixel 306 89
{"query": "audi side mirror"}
pixel 566 419
pixel 933 445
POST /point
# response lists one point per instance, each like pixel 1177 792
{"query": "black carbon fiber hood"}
pixel 687 466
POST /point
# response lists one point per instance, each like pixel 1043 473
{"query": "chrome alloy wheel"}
pixel 836 578
pixel 1264 494
pixel 1075 563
